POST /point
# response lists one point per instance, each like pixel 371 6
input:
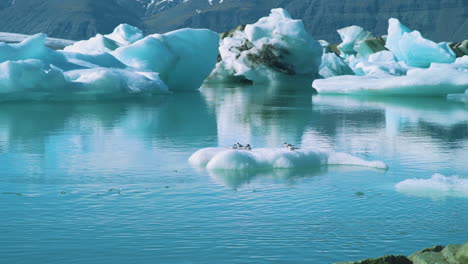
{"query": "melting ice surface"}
pixel 274 158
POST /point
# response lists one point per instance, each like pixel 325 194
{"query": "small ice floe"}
pixel 439 186
pixel 274 158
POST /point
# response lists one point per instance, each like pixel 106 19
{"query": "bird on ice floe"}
pixel 237 146
pixel 240 146
pixel 291 147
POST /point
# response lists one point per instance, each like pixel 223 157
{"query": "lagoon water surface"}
pixel 109 182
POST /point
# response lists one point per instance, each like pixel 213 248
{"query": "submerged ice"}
pixel 274 158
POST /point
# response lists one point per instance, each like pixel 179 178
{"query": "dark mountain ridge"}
pixel 80 19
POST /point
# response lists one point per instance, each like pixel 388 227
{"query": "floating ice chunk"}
pixel 351 36
pixel 273 158
pixel 122 35
pixel 415 50
pixel 438 80
pixel 439 186
pixel 332 65
pixel 183 58
pixel 276 47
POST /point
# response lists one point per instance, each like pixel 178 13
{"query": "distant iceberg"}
pixel 411 65
pixel 439 186
pixel 274 158
pixel 276 47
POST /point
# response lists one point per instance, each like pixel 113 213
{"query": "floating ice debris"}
pixel 274 48
pixel 273 158
pixel 438 186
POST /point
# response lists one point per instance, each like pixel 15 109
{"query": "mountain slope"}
pixel 79 19
pixel 70 19
pixel 437 19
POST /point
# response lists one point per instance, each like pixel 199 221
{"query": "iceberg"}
pixel 412 65
pixel 123 63
pixel 412 48
pixel 438 80
pixel 183 58
pixel 274 158
pixel 438 186
pixel 276 47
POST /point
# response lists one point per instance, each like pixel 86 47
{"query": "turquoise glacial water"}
pixel 109 182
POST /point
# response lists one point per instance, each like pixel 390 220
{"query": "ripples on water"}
pixel 109 182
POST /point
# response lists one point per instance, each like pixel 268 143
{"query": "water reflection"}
pixel 100 138
pixel 268 116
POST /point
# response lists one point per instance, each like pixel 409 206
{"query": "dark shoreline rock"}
pixel 451 254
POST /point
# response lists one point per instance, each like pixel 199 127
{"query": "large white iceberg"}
pixel 276 47
pixel 439 186
pixel 115 65
pixel 273 158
